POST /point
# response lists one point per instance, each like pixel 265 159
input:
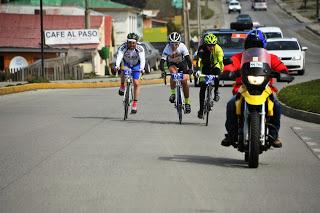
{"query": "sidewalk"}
pixel 310 25
pixel 103 82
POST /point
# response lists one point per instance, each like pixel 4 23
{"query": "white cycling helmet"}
pixel 174 37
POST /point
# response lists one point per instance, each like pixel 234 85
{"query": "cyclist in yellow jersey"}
pixel 210 62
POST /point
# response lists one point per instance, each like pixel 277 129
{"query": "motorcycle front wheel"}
pixel 254 140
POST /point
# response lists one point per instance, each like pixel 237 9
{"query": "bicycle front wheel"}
pixel 207 104
pixel 126 103
pixel 179 104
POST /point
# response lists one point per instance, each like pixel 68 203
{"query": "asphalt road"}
pixel 70 151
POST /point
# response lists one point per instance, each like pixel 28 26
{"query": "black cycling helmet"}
pixel 132 36
pixel 255 38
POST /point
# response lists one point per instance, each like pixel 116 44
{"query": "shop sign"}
pixel 80 36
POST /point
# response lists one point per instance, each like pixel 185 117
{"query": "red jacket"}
pixel 276 65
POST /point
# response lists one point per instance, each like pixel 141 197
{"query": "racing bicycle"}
pixel 128 94
pixel 208 101
pixel 179 105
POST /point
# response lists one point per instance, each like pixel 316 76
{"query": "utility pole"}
pixel 199 19
pixel 42 39
pixel 87 14
pixel 317 13
pixel 186 24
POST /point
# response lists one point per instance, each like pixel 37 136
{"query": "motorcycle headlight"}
pixel 256 80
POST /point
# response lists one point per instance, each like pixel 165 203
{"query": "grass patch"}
pixel 304 96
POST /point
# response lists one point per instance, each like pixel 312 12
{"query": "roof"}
pixel 282 39
pixel 92 3
pixel 23 31
pixel 270 29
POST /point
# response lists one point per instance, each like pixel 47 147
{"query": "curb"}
pixel 35 86
pixel 313 30
pixel 297 16
pixel 300 114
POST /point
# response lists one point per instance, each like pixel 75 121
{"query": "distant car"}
pixel 272 32
pixel 290 53
pixel 152 57
pixel 259 5
pixel 231 41
pixel 234 6
pixel 243 22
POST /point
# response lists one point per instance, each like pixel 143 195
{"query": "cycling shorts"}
pixel 135 71
pixel 182 66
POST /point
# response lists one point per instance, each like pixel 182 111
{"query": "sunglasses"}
pixel 174 43
pixel 211 45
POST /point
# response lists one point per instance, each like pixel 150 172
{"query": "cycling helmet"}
pixel 174 37
pixel 255 38
pixel 132 36
pixel 210 39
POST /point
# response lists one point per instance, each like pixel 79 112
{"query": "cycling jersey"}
pixel 131 57
pixel 176 56
pixel 209 59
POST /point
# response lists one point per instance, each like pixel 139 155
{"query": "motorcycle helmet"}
pixel 174 37
pixel 255 38
pixel 210 39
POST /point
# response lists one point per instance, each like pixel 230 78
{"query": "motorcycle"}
pixel 254 104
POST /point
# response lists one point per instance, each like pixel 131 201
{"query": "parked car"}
pixel 272 32
pixel 234 6
pixel 290 53
pixel 243 22
pixel 231 41
pixel 152 57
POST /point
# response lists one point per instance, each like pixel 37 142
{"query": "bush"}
pixel 304 96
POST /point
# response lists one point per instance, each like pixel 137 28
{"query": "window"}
pixel 273 35
pixel 1 62
pixel 283 45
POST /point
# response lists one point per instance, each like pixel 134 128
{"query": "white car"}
pixel 290 53
pixel 234 6
pixel 272 32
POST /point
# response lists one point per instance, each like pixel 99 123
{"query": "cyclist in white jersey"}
pixel 133 56
pixel 178 59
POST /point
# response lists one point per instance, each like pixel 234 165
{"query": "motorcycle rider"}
pixel 177 56
pixel 255 38
pixel 133 56
pixel 210 61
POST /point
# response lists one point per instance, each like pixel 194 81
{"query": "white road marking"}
pixel 311 143
pixel 296 128
pixel 305 138
pixel 316 150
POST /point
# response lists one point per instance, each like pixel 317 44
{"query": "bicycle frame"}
pixel 178 77
pixel 208 102
pixel 128 95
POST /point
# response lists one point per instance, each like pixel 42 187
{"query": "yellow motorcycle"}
pixel 254 104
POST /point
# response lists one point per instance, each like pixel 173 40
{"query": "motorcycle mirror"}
pixel 227 61
pixel 284 77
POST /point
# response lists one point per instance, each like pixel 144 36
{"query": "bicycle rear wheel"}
pixel 179 104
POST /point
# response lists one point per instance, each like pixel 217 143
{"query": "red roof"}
pixel 22 30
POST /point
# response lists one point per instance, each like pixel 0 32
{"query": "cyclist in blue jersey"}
pixel 132 54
